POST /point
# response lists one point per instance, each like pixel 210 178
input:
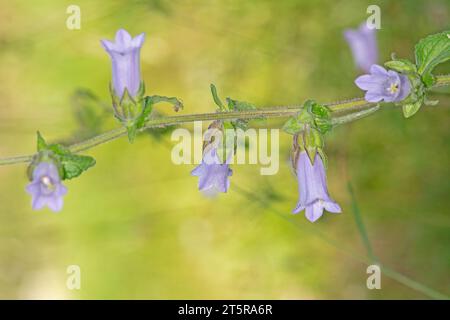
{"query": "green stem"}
pixel 352 109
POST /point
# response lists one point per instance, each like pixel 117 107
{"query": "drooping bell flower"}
pixel 383 85
pixel 213 174
pixel 312 188
pixel 363 43
pixel 125 57
pixel 46 188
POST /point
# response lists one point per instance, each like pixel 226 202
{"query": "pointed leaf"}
pixel 431 51
pixel 41 144
pixel 411 109
pixel 74 165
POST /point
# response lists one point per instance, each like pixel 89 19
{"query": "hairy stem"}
pixel 342 112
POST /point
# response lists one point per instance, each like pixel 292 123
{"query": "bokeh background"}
pixel 137 225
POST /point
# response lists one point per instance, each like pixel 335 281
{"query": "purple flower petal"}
pixel 46 188
pixel 378 70
pixel 363 44
pixel 125 57
pixel 213 175
pixel 332 206
pixel 382 85
pixel 314 211
pixel 312 187
pixel 405 87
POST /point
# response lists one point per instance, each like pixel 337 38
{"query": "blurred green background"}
pixel 137 225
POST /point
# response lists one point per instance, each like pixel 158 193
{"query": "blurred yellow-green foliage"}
pixel 136 224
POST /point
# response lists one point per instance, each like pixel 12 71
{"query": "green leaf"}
pixel 41 144
pixel 239 105
pixel 69 164
pixel 318 109
pixel 401 65
pixel 175 102
pixel 410 109
pixel 235 105
pixel 321 114
pixel 216 98
pixel 431 51
pixel 428 79
pixel 74 165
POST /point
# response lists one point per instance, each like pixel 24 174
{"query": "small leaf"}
pixel 401 65
pixel 58 149
pixel 320 110
pixel 410 109
pixel 175 102
pixel 69 165
pixel 239 105
pixel 235 105
pixel 428 79
pixel 321 114
pixel 431 51
pixel 216 98
pixel 323 156
pixel 74 165
pixel 41 144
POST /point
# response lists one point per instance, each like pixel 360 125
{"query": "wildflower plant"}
pixel 401 82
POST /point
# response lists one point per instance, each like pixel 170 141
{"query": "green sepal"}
pixel 315 115
pixel 292 126
pixel 413 102
pixel 129 107
pixel 141 91
pixel 228 138
pixel 69 165
pixel 41 144
pixel 322 116
pixel 323 156
pixel 312 142
pixel 296 124
pixel 146 103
